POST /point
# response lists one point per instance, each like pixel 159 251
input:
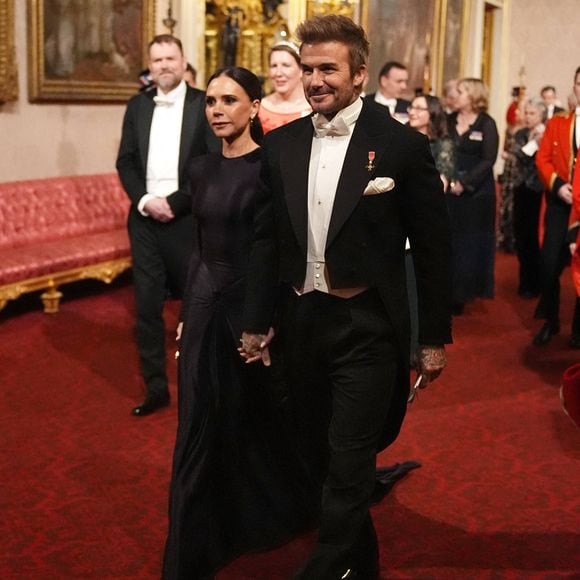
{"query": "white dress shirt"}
pixel 164 144
pixel 326 161
pixel 391 103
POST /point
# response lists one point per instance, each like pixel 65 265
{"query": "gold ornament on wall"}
pixel 341 7
pixel 241 33
pixel 8 70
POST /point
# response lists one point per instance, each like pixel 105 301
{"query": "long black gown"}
pixel 472 214
pixel 237 483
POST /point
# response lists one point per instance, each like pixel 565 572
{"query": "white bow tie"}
pixel 162 101
pixel 335 128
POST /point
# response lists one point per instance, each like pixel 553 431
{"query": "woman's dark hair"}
pixel 437 118
pixel 252 87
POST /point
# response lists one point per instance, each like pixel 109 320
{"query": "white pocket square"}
pixel 379 185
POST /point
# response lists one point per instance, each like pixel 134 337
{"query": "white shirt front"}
pixel 326 161
pixel 391 103
pixel 164 143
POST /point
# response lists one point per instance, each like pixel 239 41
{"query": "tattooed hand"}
pixel 431 362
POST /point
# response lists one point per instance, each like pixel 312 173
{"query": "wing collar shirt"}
pixel 164 143
pixel 329 145
pixel 389 103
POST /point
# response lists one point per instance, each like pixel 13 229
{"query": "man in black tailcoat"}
pixel 339 193
pixel 393 80
pixel 163 129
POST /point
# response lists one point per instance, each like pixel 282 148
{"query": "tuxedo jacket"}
pixel 366 237
pixel 401 106
pixel 196 139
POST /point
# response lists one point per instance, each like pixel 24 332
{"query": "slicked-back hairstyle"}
pixel 252 87
pixel 548 88
pixel 478 93
pixel 338 29
pixel 386 68
pixel 166 39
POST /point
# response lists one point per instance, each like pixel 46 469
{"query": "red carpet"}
pixel 83 484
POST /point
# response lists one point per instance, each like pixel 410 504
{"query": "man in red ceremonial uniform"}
pixel 555 162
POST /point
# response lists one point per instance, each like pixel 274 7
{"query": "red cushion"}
pixel 40 210
pixel 21 263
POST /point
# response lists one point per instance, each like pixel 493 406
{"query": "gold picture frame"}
pixel 428 36
pixel 8 70
pixel 87 51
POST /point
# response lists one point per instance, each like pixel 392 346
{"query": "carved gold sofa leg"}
pixel 51 300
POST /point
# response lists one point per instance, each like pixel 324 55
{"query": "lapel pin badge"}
pixel 370 165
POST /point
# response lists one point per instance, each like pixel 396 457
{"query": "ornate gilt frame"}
pixel 8 69
pixel 41 88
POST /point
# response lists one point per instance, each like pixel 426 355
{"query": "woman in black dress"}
pixel 528 198
pixel 237 484
pixel 472 194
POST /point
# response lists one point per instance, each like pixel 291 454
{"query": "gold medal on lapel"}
pixel 370 165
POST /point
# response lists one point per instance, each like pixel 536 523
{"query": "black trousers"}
pixel 526 225
pixel 555 257
pixel 160 254
pixel 341 359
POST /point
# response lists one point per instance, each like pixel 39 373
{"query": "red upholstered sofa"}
pixel 58 230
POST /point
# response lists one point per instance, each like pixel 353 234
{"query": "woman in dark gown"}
pixel 237 484
pixel 472 196
pixel 427 116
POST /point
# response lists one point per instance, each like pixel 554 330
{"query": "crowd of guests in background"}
pixel 535 186
pixel 541 143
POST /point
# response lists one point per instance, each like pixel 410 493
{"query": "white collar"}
pixel 386 101
pixel 349 115
pixel 174 94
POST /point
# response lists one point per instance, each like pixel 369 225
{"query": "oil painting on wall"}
pixel 87 49
pixel 401 30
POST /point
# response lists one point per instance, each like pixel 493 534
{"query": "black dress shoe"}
pixel 151 404
pixel 545 334
pixel 574 341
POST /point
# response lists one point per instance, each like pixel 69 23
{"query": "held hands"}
pixel 565 193
pixel 456 187
pixel 255 347
pixel 159 209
